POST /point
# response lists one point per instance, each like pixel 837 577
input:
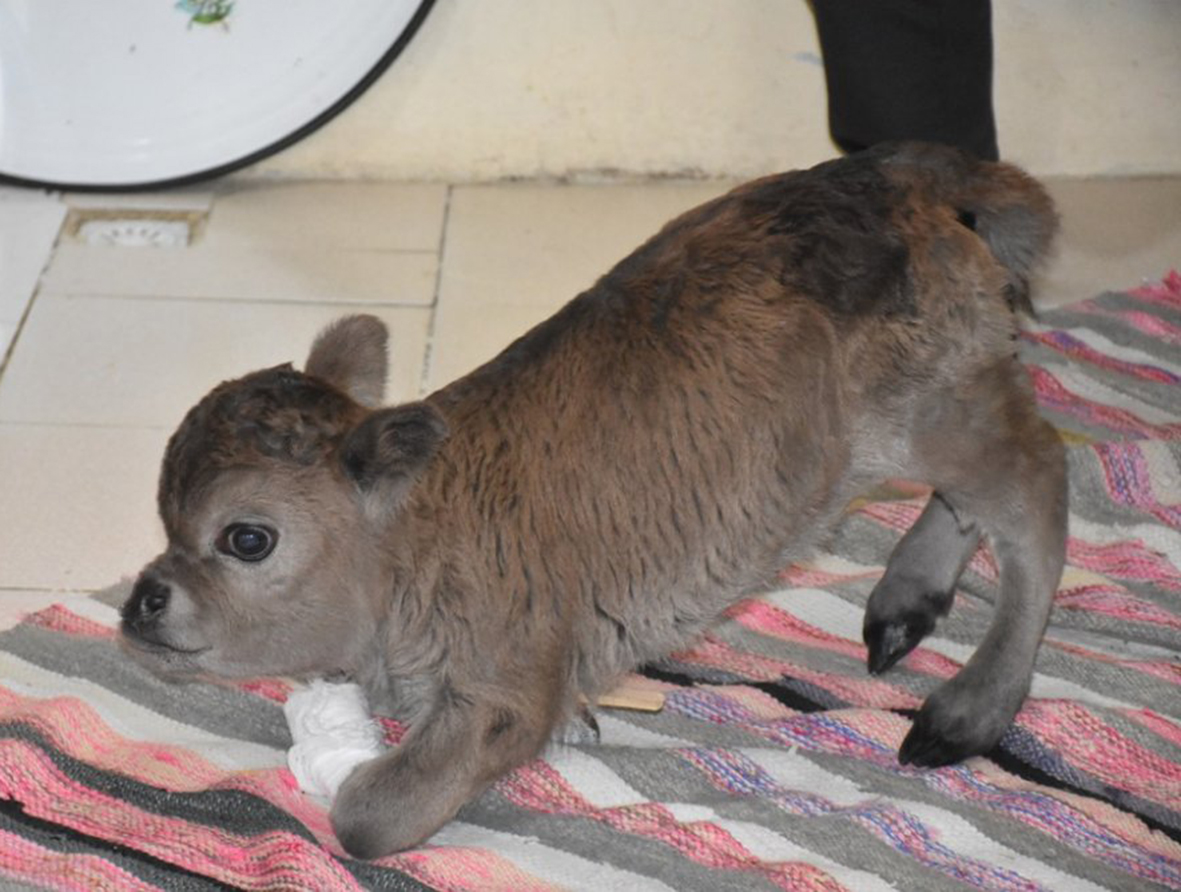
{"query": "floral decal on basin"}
pixel 206 12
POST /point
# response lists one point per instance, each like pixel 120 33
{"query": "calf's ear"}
pixel 350 354
pixel 389 450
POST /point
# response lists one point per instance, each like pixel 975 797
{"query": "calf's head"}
pixel 277 494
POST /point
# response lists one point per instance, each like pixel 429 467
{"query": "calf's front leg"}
pixel 403 796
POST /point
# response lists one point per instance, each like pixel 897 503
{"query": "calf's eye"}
pixel 247 541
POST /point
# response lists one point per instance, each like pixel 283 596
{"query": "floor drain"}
pixel 130 228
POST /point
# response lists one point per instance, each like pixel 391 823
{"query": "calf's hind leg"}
pixel 918 585
pixel 1001 469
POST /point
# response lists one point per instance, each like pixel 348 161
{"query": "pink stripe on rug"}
pixel 1108 755
pixel 899 516
pixel 466 869
pixel 870 735
pixel 1146 323
pixel 539 787
pixel 1118 603
pixel 767 619
pixel 1157 723
pixel 1129 480
pixel 58 618
pixel 1106 835
pixel 906 833
pixel 25 861
pixel 1012 792
pixel 806 576
pixel 1129 559
pixel 1165 670
pixel 757 705
pixel 1167 291
pixel 274 689
pixel 1052 394
pixel 75 728
pixel 1063 343
pixel 873 736
pixel 893 825
pixel 265 860
pixel 868 691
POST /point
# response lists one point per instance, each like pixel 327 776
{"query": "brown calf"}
pixel 596 495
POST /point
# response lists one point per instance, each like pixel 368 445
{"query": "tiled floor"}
pixel 108 346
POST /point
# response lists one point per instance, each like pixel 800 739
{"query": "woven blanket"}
pixel 772 765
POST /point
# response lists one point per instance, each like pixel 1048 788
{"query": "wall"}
pixel 491 89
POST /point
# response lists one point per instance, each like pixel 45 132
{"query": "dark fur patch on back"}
pixel 827 233
pixel 833 225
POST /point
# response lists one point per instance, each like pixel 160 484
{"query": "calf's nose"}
pixel 149 599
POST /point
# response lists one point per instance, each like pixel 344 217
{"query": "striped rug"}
pixel 773 763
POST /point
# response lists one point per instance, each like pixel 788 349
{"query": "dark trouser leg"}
pixel 909 69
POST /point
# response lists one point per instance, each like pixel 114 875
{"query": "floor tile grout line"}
pixel 55 294
pixel 140 427
pixel 20 325
pixel 429 347
pixel 9 589
pixel 229 245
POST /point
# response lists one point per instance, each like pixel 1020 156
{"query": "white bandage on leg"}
pixel 332 733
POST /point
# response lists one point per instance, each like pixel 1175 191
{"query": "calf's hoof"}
pixel 956 722
pixel 889 641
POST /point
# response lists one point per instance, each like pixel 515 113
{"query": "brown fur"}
pixel 593 497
